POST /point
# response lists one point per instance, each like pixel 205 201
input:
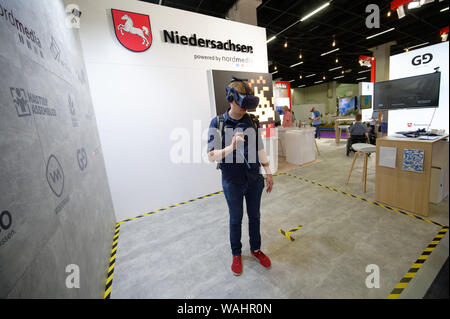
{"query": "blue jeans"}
pixel 317 130
pixel 234 194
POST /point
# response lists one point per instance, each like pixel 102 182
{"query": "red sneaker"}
pixel 263 259
pixel 236 267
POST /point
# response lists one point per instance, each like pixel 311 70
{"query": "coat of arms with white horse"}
pixel 132 30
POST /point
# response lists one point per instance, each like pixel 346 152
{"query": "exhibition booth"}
pixel 111 127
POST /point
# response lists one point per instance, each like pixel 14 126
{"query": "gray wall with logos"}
pixel 55 204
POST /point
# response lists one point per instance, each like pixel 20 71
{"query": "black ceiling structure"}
pixel 342 21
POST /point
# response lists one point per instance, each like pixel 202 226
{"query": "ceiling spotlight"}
pixel 333 44
pixel 342 72
pixel 324 78
pixel 285 44
pixel 336 68
pixel 413 5
pixel 315 11
pixel 291 66
pixel 401 12
pixel 337 60
pixel 275 68
pixel 422 2
pixel 389 13
pixel 329 52
pixel 375 35
pixel 300 56
pixel 300 77
pixel 271 39
pixel 416 46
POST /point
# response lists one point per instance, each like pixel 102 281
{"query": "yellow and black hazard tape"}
pixel 112 260
pixel 112 263
pixel 288 233
pixel 364 199
pixel 395 293
pixel 171 206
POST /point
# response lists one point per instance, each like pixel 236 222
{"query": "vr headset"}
pixel 246 101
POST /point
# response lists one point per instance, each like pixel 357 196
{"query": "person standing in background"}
pixel 383 119
pixel 287 117
pixel 316 121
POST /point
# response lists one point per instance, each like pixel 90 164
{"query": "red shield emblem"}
pixel 409 124
pixel 132 30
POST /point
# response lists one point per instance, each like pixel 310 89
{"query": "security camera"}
pixel 76 12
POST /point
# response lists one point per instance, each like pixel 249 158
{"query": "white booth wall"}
pixel 401 66
pixel 144 101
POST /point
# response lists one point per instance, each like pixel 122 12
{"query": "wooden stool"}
pixel 317 148
pixel 362 149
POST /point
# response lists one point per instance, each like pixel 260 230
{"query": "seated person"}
pixel 358 133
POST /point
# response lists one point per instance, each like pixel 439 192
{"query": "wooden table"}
pixel 337 122
pixel 405 189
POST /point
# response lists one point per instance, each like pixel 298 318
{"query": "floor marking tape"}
pixel 422 258
pixel 112 260
pixel 288 233
pixel 395 293
pixel 112 263
pixel 366 200
pixel 168 207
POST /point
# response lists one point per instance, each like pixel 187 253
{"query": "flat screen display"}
pixel 420 91
pixel 346 104
pixel 365 102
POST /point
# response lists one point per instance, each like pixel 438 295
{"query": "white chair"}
pixel 362 149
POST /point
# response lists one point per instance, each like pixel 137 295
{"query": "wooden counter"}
pixel 405 189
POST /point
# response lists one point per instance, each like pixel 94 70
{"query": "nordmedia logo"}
pixel 132 30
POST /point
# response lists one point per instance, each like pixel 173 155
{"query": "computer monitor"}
pixel 421 91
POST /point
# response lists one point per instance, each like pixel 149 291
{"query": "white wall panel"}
pixel 141 98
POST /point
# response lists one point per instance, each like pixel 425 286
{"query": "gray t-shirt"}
pixel 358 128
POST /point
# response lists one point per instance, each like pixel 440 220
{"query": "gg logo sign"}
pixel 422 59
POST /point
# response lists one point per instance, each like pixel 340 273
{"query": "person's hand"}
pixel 238 137
pixel 269 181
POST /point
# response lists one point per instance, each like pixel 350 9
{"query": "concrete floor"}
pixel 184 252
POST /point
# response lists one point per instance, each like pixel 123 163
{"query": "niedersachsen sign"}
pixel 193 40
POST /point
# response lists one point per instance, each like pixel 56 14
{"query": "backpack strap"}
pixel 256 129
pixel 220 126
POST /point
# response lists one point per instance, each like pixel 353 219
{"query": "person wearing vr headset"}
pixel 235 143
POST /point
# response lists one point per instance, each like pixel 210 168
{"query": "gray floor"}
pixel 184 252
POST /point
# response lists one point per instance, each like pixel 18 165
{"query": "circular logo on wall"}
pixel 55 175
pixel 132 30
pixel 82 158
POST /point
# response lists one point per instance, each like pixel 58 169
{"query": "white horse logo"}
pixel 128 27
